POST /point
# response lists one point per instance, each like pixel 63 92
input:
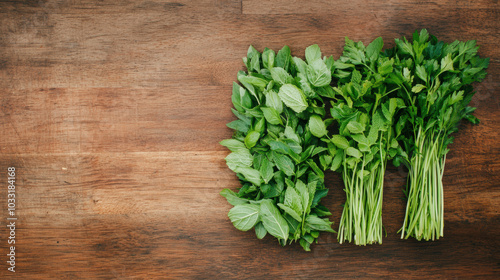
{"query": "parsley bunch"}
pixel 276 149
pixel 434 80
pixel 365 113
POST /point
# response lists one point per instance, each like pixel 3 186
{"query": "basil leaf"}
pixel 245 216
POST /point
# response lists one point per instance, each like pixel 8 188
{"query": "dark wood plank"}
pixel 75 120
pixel 315 7
pixel 112 111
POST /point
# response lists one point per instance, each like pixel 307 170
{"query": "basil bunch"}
pixel 276 150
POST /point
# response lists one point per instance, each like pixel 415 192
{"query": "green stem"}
pixel 425 207
pixel 362 215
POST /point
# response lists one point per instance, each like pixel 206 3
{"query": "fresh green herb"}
pixel 365 114
pixel 276 146
pixel 434 80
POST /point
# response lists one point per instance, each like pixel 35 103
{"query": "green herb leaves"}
pixel 401 104
pixel 433 80
pixel 317 126
pixel 273 221
pixel 293 97
pixel 276 146
pixel 364 112
pixel 244 216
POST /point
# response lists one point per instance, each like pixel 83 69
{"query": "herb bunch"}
pixel 276 149
pixel 434 80
pixel 365 113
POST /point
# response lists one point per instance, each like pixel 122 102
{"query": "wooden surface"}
pixel 111 113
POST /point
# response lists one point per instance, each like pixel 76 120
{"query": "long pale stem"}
pixel 424 218
pixel 362 215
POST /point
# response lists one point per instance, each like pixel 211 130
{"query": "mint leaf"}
pixel 268 58
pixel 353 152
pixel 355 127
pixel 239 125
pixel 272 116
pixel 293 97
pixel 266 170
pixel 245 216
pixel 290 134
pixel 251 139
pixel 318 74
pixel 340 141
pixel 250 174
pixel 240 98
pixel 280 76
pixel 232 197
pixel 283 58
pixel 316 223
pixel 313 53
pixel 240 157
pixel 273 221
pixel 293 200
pixel 284 163
pixel 290 211
pixel 260 230
pixel 274 101
pixel 232 144
pixel 317 126
pixel 300 65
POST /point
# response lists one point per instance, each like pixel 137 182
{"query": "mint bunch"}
pixel 276 149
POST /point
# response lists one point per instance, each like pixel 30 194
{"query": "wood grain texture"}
pixel 111 112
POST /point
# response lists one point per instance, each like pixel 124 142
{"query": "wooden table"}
pixel 111 113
